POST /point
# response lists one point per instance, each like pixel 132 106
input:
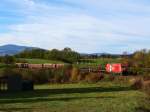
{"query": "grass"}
pixel 2 65
pixel 41 61
pixel 96 62
pixel 100 97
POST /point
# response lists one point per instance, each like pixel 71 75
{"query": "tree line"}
pixel 139 62
pixel 66 55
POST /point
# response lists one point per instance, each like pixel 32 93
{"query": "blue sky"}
pixel 112 26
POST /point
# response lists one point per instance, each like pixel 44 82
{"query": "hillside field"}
pixel 40 61
pixel 88 63
pixel 91 61
pixel 97 62
pixel 100 97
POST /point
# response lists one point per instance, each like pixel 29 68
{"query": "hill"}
pixel 11 49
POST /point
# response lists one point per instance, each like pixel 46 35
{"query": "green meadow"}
pixel 40 61
pixel 97 62
pixel 99 97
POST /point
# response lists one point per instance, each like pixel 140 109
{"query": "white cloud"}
pixel 49 26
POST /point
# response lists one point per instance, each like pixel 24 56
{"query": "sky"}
pixel 86 26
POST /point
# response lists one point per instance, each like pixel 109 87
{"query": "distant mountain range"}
pixel 12 49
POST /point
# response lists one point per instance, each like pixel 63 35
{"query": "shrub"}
pixel 146 87
pixel 74 75
pixel 61 75
pixel 122 79
pixel 92 77
pixel 138 84
pixel 146 77
pixel 26 74
pixel 7 71
pixel 112 78
pixel 82 76
pixel 40 76
pixel 67 73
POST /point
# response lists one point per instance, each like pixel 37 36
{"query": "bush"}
pixel 61 75
pixel 8 59
pixel 7 71
pixel 27 74
pixel 122 79
pixel 92 77
pixel 74 74
pixel 146 87
pixel 146 77
pixel 58 76
pixel 138 84
pixel 82 76
pixel 40 76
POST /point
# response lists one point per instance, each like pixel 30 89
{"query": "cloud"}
pixel 51 25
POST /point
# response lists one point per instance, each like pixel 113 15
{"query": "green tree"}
pixel 8 59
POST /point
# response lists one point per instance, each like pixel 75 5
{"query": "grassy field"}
pixel 2 65
pixel 100 97
pixel 91 63
pixel 96 62
pixel 40 61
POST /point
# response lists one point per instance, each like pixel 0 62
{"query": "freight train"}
pixel 39 66
pixel 109 68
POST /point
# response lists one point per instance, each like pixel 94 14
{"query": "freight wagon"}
pixel 39 66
